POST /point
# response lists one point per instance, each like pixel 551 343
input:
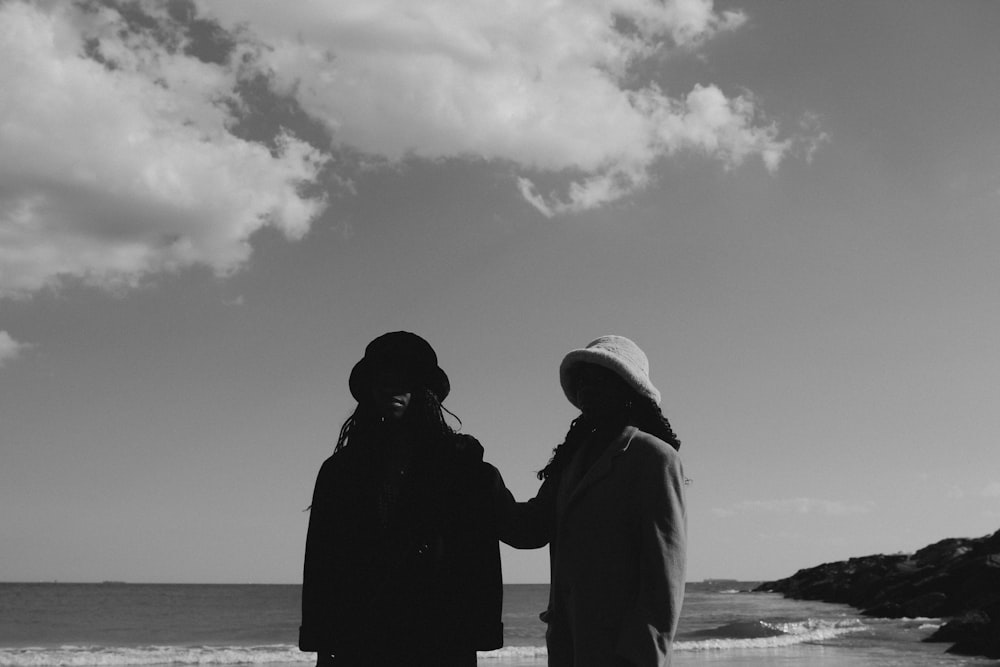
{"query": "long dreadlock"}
pixel 641 412
pixel 424 415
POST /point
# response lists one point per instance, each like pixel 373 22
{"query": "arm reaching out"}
pixel 524 525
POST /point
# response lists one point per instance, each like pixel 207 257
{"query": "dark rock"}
pixel 885 610
pixel 944 550
pixel 985 642
pixel 961 627
pixel 926 605
pixel 955 577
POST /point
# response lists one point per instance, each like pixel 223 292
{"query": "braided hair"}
pixel 641 412
pixel 424 416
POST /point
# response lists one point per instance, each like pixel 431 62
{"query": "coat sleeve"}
pixel 316 582
pixel 647 632
pixel 477 572
pixel 524 525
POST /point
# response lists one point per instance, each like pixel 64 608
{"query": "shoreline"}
pixel 956 578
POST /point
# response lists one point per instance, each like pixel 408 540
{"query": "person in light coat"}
pixel 611 509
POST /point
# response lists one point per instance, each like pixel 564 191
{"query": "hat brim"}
pixel 641 385
pixel 360 381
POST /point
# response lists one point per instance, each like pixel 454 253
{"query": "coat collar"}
pixel 576 481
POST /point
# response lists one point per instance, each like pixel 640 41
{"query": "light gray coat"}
pixel 617 542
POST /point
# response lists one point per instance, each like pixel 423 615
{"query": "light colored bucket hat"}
pixel 616 353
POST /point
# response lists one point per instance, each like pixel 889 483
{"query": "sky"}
pixel 208 209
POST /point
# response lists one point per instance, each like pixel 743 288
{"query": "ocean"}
pixel 115 624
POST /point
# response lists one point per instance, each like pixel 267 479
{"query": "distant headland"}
pixel 956 578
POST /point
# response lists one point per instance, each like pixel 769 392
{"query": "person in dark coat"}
pixel 402 561
pixel 611 509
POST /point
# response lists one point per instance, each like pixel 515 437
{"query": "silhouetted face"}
pixel 600 392
pixel 391 393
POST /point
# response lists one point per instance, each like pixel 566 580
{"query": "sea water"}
pixel 116 624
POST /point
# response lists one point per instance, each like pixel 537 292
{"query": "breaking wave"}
pixel 746 635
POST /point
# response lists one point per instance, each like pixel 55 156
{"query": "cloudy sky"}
pixel 208 209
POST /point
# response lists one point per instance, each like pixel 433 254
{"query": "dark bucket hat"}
pixel 400 351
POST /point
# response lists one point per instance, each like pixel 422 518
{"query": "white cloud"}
pixel 10 349
pixel 794 506
pixel 123 156
pixel 544 85
pixel 113 171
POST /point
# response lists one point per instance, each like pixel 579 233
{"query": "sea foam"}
pixel 81 656
pixel 736 636
pixel 112 656
pixel 761 634
pixel 514 652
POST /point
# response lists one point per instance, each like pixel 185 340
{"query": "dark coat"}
pixel 427 582
pixel 617 542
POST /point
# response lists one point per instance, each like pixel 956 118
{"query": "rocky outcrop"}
pixel 956 578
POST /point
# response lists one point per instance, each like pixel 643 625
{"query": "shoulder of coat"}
pixel 653 447
pixel 342 462
pixel 466 448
